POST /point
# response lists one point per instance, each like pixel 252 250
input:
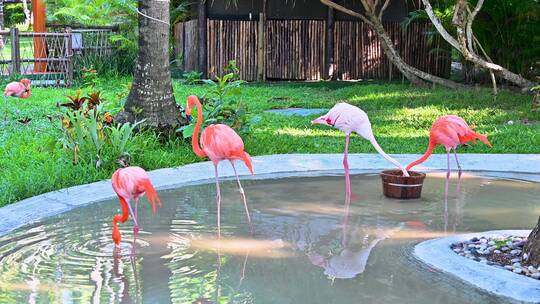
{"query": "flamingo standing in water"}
pixel 19 89
pixel 219 142
pixel 449 131
pixel 131 183
pixel 348 119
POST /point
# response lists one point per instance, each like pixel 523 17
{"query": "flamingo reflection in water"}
pixel 350 261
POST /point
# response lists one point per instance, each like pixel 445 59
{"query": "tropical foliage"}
pixel 508 31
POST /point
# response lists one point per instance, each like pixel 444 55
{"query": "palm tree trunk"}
pixel 532 247
pixel 151 96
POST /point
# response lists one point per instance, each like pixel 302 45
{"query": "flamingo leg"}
pixel 446 205
pixel 458 165
pixel 447 173
pixel 136 226
pixel 345 220
pixel 346 167
pixel 218 201
pixel 243 198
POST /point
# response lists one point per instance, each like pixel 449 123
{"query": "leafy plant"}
pixel 83 132
pixel 89 77
pixel 220 104
pixel 76 102
pixel 120 135
pixel 192 77
pixel 89 131
pixel 232 68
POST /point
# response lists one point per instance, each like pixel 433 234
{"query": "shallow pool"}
pixel 307 246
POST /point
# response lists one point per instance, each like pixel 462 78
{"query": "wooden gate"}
pixel 49 64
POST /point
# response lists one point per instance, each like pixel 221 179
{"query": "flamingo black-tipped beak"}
pixel 188 117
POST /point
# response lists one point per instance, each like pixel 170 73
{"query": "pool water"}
pixel 308 246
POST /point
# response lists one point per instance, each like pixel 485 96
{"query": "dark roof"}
pixel 295 9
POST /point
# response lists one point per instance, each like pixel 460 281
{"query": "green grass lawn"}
pixel 32 161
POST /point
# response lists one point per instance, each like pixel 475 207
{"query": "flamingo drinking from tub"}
pixel 348 119
pixel 19 89
pixel 449 131
pixel 131 183
pixel 218 142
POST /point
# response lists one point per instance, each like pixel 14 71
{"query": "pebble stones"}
pixel 502 253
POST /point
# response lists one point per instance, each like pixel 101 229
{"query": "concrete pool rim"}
pixel 34 209
pixel 438 254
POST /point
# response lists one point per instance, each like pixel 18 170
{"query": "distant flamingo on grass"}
pixel 219 142
pixel 348 119
pixel 131 183
pixel 19 89
pixel 449 131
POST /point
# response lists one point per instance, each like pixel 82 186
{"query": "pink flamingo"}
pixel 449 131
pixel 19 89
pixel 219 142
pixel 348 119
pixel 131 183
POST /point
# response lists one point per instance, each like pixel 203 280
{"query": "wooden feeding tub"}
pixel 395 185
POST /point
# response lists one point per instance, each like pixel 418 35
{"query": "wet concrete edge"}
pixel 521 166
pixel 437 253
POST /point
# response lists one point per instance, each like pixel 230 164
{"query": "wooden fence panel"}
pixel 190 45
pixel 358 53
pixel 232 40
pixel 295 49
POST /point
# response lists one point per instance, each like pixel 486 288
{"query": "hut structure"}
pixel 302 40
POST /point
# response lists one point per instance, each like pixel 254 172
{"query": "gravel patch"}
pixel 501 252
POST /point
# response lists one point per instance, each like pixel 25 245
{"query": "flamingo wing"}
pixel 221 142
pixel 14 89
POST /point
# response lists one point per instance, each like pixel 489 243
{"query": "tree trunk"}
pixel 151 96
pixel 532 247
pixel 202 37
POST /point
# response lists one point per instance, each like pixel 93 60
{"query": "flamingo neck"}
pixel 375 144
pixel 119 218
pixel 422 159
pixel 195 138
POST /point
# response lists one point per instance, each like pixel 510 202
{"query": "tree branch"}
pixel 383 8
pixel 470 21
pixel 345 10
pixel 438 25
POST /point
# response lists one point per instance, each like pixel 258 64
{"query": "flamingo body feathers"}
pixel 449 131
pixel 19 89
pixel 130 184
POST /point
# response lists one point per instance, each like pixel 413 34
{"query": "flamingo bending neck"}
pixel 375 144
pixel 422 159
pixel 195 138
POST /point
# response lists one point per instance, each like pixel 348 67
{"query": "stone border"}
pixel 437 253
pixel 521 166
